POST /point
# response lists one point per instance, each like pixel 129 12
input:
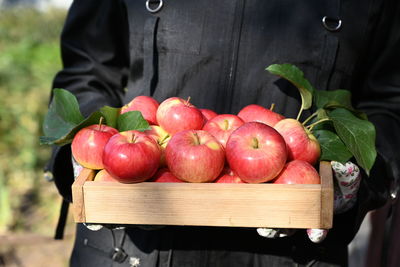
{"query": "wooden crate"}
pixel 207 204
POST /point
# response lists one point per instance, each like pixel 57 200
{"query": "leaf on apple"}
pixel 332 147
pixel 357 134
pixel 67 131
pixel 348 133
pixel 294 75
pixel 64 119
pixel 132 120
pixel 110 115
pixel 63 114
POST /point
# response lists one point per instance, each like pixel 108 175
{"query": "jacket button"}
pixel 331 24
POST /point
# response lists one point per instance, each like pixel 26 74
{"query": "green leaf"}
pixel 64 119
pixel 294 75
pixel 111 115
pixel 132 120
pixel 47 140
pixel 321 114
pixel 68 136
pixel 63 114
pixel 332 148
pixel 358 135
pixel 335 98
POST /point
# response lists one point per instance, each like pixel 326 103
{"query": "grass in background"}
pixel 29 59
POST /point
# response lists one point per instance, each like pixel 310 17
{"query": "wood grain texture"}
pixel 325 170
pixel 209 204
pixel 78 207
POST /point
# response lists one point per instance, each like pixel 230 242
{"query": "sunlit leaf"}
pixel 358 135
pixel 294 75
pixel 132 120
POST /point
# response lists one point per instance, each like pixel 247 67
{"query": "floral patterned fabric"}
pixel 346 184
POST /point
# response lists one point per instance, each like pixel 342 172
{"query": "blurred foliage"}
pixel 29 59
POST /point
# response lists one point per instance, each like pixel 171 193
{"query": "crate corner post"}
pixel 78 203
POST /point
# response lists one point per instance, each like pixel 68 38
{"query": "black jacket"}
pixel 216 52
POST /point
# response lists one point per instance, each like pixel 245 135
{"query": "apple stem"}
pixel 162 141
pixel 133 138
pixel 272 107
pixel 255 143
pixel 188 101
pixel 298 115
pixel 197 139
pixel 226 124
pixel 311 126
pixel 310 118
pixel 101 122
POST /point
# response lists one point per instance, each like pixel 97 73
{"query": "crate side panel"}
pixel 289 206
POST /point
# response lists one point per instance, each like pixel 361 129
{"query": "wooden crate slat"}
pixel 204 204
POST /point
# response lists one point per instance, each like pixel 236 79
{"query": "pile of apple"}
pixel 189 144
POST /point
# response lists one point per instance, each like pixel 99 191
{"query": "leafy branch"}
pixel 342 131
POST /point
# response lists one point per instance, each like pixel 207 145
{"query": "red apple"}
pixel 158 134
pixel 104 176
pixel 162 138
pixel 228 176
pixel 298 172
pixel 131 157
pixel 208 113
pixel 195 156
pixel 146 105
pixel 165 176
pixel 222 126
pixel 256 152
pixel 175 114
pixel 258 113
pixel 301 143
pixel 88 145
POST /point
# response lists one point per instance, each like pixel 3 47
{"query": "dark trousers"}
pixel 195 247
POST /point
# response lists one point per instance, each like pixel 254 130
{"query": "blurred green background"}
pixel 29 59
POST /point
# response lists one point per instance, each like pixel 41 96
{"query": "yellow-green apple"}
pixel 222 126
pixel 163 175
pixel 228 176
pixel 298 172
pixel 256 152
pixel 258 113
pixel 104 176
pixel 301 143
pixel 131 156
pixel 88 145
pixel 176 114
pixel 208 113
pixel 195 156
pixel 162 138
pixel 146 105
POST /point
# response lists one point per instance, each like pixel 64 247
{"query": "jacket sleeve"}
pixel 379 97
pixel 95 57
pixel 377 93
